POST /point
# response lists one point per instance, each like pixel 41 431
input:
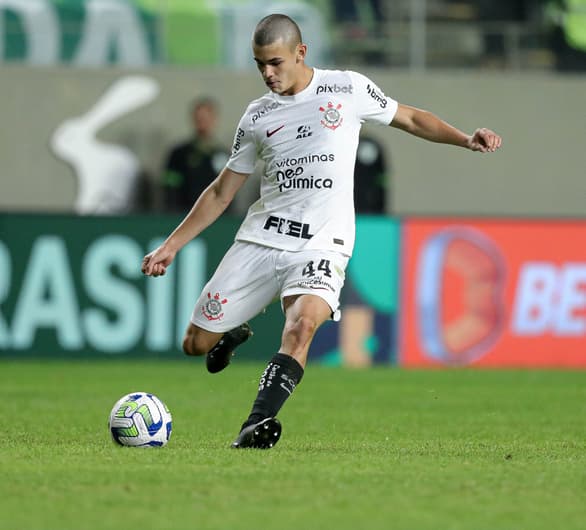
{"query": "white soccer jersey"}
pixel 308 144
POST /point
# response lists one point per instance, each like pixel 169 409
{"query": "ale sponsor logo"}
pixel 303 131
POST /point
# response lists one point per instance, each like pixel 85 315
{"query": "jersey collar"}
pixel 300 96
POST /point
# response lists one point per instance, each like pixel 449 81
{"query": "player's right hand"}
pixel 484 140
pixel 156 262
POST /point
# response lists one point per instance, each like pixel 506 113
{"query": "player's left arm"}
pixel 428 126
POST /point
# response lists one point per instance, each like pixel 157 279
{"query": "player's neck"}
pixel 303 82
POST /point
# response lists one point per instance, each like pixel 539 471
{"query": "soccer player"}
pixel 296 240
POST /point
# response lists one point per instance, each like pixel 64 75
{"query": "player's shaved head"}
pixel 274 27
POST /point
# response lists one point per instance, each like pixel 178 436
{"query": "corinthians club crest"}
pixel 212 309
pixel 331 117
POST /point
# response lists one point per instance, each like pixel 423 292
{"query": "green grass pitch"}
pixel 361 449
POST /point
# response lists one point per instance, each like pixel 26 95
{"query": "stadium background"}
pixel 479 264
pixel 480 260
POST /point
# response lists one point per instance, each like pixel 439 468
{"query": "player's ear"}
pixel 301 52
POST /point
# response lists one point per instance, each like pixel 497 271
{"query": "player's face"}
pixel 281 66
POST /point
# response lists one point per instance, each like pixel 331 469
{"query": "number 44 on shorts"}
pixel 323 266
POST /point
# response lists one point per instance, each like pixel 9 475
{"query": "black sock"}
pixel 281 376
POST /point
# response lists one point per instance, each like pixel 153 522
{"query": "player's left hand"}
pixel 484 140
pixel 156 263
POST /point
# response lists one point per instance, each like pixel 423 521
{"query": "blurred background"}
pixel 117 113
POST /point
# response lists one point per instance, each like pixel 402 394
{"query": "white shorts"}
pixel 251 276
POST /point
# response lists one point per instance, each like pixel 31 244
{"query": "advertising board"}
pixel 493 293
pixel 71 286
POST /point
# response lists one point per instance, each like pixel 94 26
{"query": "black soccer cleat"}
pixel 262 435
pixel 219 356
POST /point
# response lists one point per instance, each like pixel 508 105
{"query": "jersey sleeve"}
pixel 243 155
pixel 371 103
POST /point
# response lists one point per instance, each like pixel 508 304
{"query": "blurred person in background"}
pixel 372 174
pixel 296 240
pixel 192 165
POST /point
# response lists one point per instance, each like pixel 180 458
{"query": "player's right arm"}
pixel 208 207
pixel 428 126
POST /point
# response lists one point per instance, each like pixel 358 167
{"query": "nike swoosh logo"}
pixel 270 133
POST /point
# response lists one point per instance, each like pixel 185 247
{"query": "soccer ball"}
pixel 140 419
